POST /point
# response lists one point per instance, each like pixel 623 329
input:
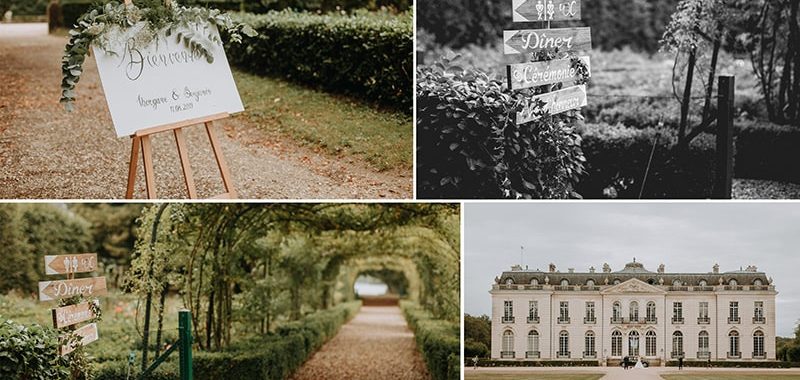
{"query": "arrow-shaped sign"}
pixel 72 314
pixel 52 290
pixel 554 103
pixel 532 74
pixel 88 335
pixel 67 264
pixel 535 40
pixel 546 10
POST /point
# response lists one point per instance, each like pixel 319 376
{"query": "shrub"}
pixel 473 349
pixel 469 146
pixel 733 364
pixel 30 352
pixel 369 55
pixel 325 5
pixel 73 9
pixel 438 341
pixel 536 363
pixel 617 156
pixel 767 151
pixel 269 357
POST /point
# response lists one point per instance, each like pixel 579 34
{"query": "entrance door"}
pixel 633 344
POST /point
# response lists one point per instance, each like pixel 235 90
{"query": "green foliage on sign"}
pixel 365 54
pixel 438 341
pixel 31 353
pixel 92 28
pixel 469 145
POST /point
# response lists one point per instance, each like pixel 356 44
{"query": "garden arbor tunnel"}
pixel 235 263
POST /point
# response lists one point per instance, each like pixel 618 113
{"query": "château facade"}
pixel 658 316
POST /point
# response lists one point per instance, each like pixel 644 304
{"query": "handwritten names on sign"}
pixel 66 264
pixel 163 81
pixel 554 103
pixel 532 74
pixel 546 10
pixel 87 287
pixel 87 334
pixel 536 40
pixel 73 314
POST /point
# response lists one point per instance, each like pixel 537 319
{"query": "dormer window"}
pixel 590 283
pixel 757 282
pixel 565 282
pixel 616 282
pixel 703 283
pixel 733 282
pixel 509 281
pixel 677 283
pixel 534 281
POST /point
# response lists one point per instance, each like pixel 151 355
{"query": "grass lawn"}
pixel 336 124
pixel 536 376
pixel 732 376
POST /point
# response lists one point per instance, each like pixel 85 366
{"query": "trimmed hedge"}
pixel 438 340
pixel 271 357
pixel 368 55
pixel 534 363
pixel 469 146
pixel 73 9
pixel 767 151
pixel 734 364
pixel 617 156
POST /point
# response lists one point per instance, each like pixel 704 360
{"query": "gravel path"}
pixel 46 152
pixel 376 344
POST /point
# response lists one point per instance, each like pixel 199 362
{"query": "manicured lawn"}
pixel 732 376
pixel 338 125
pixel 532 376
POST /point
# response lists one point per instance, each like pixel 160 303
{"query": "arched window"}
pixel 633 344
pixel 616 343
pixel 589 349
pixel 534 281
pixel 533 344
pixel 590 283
pixel 703 283
pixel 651 311
pixel 616 313
pixel 563 344
pixel 677 344
pixel 634 311
pixel 565 282
pixel 757 282
pixel 650 343
pixel 734 348
pixel 508 344
pixel 616 281
pixel 733 282
pixel 509 281
pixel 677 283
pixel 702 345
pixel 758 345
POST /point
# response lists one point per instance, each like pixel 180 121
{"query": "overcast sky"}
pixel 685 237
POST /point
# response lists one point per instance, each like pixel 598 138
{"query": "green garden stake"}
pixel 185 342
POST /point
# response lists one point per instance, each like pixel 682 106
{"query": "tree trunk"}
pixel 161 303
pixel 687 98
pixel 209 319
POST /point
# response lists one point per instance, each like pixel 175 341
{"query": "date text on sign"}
pixel 536 40
pixel 554 103
pixel 532 74
pixel 87 334
pixel 87 287
pixel 546 10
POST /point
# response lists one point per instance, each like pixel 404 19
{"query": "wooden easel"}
pixel 142 139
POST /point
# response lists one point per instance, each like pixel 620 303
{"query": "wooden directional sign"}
pixel 88 335
pixel 53 290
pixel 546 10
pixel 72 314
pixel 535 40
pixel 555 102
pixel 532 74
pixel 67 264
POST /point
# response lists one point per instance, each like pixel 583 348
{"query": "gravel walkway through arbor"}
pixel 376 344
pixel 46 152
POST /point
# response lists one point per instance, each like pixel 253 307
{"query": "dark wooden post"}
pixel 420 58
pixel 723 180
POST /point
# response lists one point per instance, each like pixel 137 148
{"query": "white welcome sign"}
pixel 163 81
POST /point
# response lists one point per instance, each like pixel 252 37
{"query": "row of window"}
pixel 633 312
pixel 590 282
pixel 650 338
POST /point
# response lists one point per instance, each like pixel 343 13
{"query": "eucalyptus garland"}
pixel 185 24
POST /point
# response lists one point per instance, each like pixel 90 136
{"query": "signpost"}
pixel 68 317
pixel 545 10
pixel 565 71
pixel 165 86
